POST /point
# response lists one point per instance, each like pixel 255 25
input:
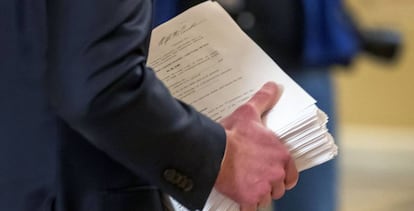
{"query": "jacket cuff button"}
pixel 189 186
pixel 169 175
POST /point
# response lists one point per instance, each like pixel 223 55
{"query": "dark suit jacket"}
pixel 84 124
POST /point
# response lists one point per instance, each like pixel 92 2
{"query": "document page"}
pixel 205 60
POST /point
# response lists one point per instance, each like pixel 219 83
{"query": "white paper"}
pixel 227 70
pixel 207 61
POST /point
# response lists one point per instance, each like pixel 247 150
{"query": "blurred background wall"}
pixel 375 92
pixel 375 102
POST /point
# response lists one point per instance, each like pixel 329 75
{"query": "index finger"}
pixel 264 99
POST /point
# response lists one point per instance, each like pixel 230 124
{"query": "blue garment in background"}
pixel 164 10
pixel 330 36
pixel 317 187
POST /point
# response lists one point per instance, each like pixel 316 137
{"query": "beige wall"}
pixel 373 92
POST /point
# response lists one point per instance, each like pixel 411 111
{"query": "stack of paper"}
pixel 207 61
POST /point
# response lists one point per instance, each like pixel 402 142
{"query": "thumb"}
pixel 264 99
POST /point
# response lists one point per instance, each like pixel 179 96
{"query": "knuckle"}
pixel 282 155
pixel 279 176
pixel 271 136
pixel 285 156
pixel 267 137
pixel 246 129
pixel 247 109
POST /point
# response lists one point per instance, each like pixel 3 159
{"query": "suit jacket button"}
pixel 188 186
pixel 183 182
pixel 170 174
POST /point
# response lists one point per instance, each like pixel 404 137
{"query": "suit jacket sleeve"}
pixel 100 86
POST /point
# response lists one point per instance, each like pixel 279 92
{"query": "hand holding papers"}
pixel 205 60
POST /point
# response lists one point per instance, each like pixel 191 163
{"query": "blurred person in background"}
pixel 163 10
pixel 305 38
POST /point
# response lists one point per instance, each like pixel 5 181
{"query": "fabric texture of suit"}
pixel 84 124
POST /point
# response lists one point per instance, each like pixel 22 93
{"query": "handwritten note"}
pixel 204 65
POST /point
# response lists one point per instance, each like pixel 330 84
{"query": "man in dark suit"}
pixel 85 125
